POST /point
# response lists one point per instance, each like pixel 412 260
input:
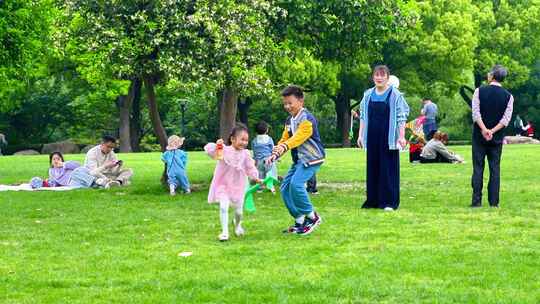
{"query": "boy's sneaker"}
pixel 310 224
pixel 188 191
pixel 294 228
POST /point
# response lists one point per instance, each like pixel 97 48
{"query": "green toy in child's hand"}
pixel 269 182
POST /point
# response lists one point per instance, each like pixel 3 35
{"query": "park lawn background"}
pixel 122 245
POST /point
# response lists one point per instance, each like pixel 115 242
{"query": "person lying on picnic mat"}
pixel 62 176
pixel 67 174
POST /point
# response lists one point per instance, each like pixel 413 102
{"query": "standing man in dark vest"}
pixel 491 112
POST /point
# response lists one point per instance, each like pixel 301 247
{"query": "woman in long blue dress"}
pixel 383 114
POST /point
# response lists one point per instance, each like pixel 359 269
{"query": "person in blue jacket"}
pixel 383 114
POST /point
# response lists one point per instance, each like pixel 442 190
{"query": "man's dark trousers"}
pixel 480 150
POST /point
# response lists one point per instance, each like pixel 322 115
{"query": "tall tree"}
pixel 237 45
pixel 435 56
pixel 124 103
pixel 508 33
pixel 347 32
pixel 135 122
pixel 126 40
pixel 224 42
pixel 444 31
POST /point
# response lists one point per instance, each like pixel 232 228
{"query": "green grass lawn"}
pixel 122 245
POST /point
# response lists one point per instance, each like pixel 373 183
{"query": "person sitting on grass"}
pixel 176 160
pixel 435 151
pixel 68 174
pixel 103 164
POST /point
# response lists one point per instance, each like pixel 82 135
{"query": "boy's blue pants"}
pixel 293 189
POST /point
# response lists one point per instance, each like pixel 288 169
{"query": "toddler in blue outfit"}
pixel 176 160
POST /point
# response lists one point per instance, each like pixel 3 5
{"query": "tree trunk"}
pixel 243 109
pixel 343 112
pixel 227 112
pixel 124 104
pixel 478 79
pixel 157 125
pixel 135 124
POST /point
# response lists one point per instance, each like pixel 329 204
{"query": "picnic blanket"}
pixel 27 187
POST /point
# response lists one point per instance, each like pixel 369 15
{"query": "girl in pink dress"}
pixel 230 177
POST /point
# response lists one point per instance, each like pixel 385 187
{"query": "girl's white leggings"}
pixel 224 215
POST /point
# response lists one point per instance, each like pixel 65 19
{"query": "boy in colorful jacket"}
pixel 301 136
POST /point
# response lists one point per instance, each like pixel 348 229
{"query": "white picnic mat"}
pixel 27 187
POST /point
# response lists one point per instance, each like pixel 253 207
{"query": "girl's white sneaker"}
pixel 390 209
pixel 223 237
pixel 239 231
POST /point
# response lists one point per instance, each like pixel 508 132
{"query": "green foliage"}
pixel 55 109
pixel 122 245
pixel 527 98
pixel 201 112
pixel 24 42
pixel 344 30
pixel 64 64
pixel 235 44
pixel 508 34
pixel 299 66
pixel 437 51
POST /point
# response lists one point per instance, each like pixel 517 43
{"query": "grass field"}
pixel 122 245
